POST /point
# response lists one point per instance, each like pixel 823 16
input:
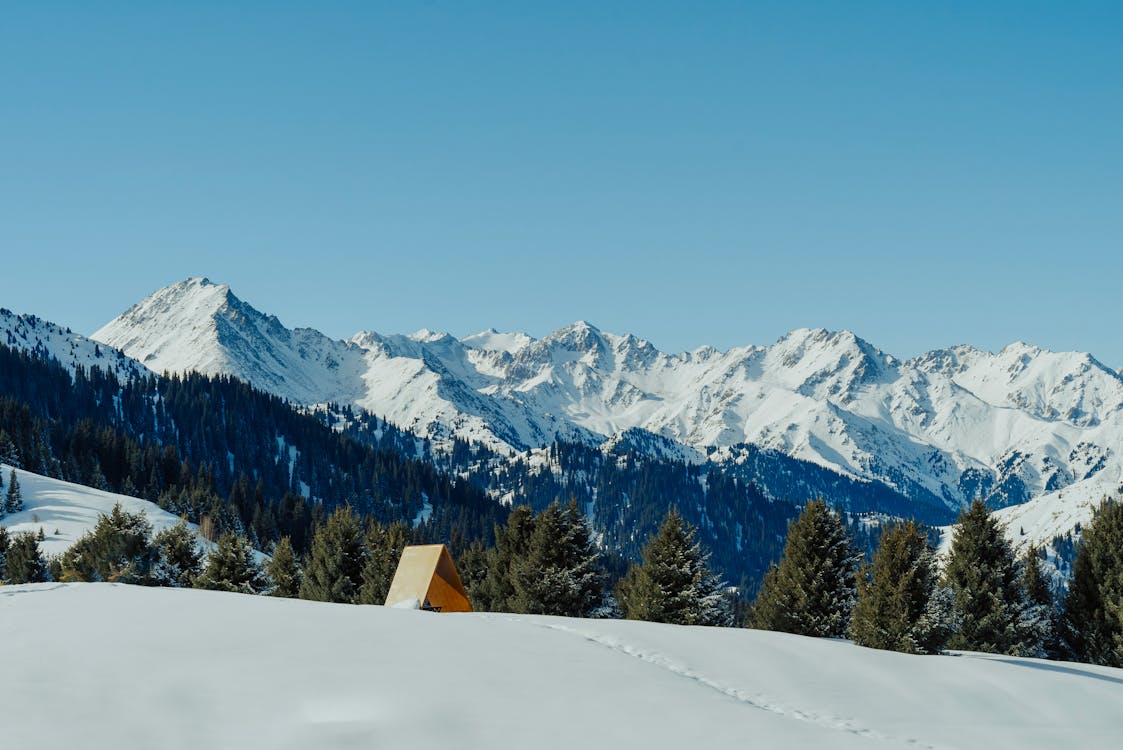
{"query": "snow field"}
pixel 111 666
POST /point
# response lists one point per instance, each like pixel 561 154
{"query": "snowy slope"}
pixel 949 425
pixel 66 511
pixel 109 666
pixel 51 341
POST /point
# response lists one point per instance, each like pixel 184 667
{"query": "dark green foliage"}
pixel 13 499
pixel 983 574
pixel 496 591
pixel 812 590
pixel 179 560
pixel 897 607
pixel 674 583
pixel 335 568
pixel 231 566
pixel 1092 623
pixel 559 574
pixel 472 564
pixel 284 571
pixel 5 542
pixel 25 564
pixel 384 548
pixel 1040 616
pixel 8 453
pixel 117 549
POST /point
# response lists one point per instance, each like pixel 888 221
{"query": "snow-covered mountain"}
pixel 948 425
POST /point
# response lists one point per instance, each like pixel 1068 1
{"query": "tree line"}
pixel 985 597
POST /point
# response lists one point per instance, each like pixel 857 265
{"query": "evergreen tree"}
pixel 897 608
pixel 812 590
pixel 179 560
pixel 13 502
pixel 284 571
pixel 512 543
pixel 335 569
pixel 118 549
pixel 231 566
pixel 1039 619
pixel 674 583
pixel 8 453
pixel 558 575
pixel 5 542
pixel 25 564
pixel 983 574
pixel 384 549
pixel 1092 622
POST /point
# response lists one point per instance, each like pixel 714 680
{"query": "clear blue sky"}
pixel 696 173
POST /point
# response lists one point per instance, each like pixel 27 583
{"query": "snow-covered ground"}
pixel 109 666
pixel 66 511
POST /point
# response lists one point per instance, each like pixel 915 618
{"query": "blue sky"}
pixel 696 173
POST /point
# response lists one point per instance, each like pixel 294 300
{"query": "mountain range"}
pixel 1035 430
pixel 946 426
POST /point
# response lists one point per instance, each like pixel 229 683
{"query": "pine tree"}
pixel 8 453
pixel 1039 616
pixel 812 590
pixel 231 566
pixel 496 593
pixel 674 583
pixel 179 560
pixel 384 549
pixel 13 502
pixel 335 569
pixel 25 563
pixel 558 575
pixel 897 608
pixel 284 571
pixel 5 542
pixel 1092 622
pixel 118 549
pixel 983 573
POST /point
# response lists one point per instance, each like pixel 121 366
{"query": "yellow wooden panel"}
pixel 415 571
pixel 426 573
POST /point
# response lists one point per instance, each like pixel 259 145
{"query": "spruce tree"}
pixel 1092 622
pixel 983 574
pixel 179 560
pixel 284 571
pixel 512 543
pixel 25 563
pixel 335 568
pixel 1039 616
pixel 897 608
pixel 232 566
pixel 558 575
pixel 118 549
pixel 8 453
pixel 674 583
pixel 13 501
pixel 811 591
pixel 384 549
pixel 5 542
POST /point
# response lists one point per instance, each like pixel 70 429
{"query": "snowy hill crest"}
pixel 950 424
